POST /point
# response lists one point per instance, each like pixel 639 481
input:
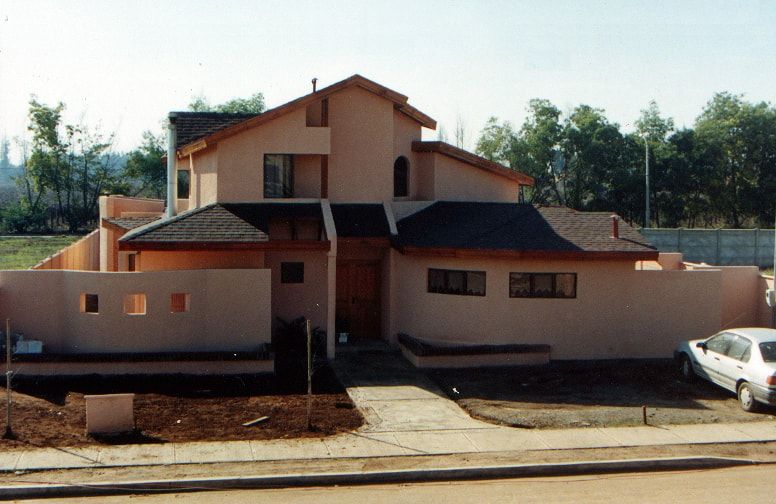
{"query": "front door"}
pixel 358 299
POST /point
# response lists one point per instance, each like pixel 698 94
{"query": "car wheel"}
pixel 746 397
pixel 685 368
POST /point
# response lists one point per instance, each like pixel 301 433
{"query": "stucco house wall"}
pixel 457 181
pixel 308 299
pixel 362 146
pixel 619 312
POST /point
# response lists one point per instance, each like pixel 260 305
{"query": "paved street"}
pixel 741 484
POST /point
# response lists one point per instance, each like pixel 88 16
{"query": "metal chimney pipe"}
pixel 315 82
pixel 615 227
pixel 172 139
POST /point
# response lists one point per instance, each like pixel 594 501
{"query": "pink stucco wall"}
pixel 619 312
pixel 362 146
pixel 229 310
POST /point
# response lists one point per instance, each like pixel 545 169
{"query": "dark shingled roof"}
pixel 132 222
pixel 360 220
pixel 516 227
pixel 191 126
pixel 222 223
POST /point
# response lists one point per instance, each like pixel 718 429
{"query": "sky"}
pixel 121 66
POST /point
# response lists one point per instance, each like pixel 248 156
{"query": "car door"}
pixel 710 357
pixel 731 365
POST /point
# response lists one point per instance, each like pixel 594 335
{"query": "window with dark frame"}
pixel 543 285
pixel 291 272
pixel 401 172
pixel 184 186
pixel 456 282
pixel 278 176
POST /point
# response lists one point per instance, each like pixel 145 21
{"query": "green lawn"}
pixel 25 252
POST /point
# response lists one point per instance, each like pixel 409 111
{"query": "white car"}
pixel 740 360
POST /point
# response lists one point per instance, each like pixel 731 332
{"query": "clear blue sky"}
pixel 125 64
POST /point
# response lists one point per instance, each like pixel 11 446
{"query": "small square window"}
pixel 90 303
pixel 292 272
pixel 179 302
pixel 135 304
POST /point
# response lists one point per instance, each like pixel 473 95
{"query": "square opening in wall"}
pixel 179 302
pixel 291 272
pixel 89 303
pixel 135 304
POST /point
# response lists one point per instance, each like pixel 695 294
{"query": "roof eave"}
pixel 556 255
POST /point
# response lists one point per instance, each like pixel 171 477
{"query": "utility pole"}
pixel 308 330
pixel 647 220
pixel 8 431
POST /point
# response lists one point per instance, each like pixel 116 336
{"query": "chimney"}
pixel 615 227
pixel 315 81
pixel 172 140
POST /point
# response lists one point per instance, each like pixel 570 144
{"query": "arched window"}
pixel 401 174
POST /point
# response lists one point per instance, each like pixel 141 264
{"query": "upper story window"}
pixel 401 173
pixel 278 176
pixel 184 185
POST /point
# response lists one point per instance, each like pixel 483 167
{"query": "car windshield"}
pixel 769 351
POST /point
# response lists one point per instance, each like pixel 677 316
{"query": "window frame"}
pixel 403 164
pixel 532 275
pixel 286 186
pixel 186 184
pixel 446 275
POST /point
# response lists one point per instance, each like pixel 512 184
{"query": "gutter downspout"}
pixel 172 139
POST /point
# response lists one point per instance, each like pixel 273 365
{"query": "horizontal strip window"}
pixel 543 285
pixel 460 283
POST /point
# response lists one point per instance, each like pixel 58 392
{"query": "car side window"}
pixel 720 343
pixel 740 349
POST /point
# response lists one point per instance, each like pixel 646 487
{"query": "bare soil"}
pixel 175 408
pixel 594 394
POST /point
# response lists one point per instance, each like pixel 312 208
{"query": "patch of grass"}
pixel 26 251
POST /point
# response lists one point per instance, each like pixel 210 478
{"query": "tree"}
pixel 460 132
pixel 71 161
pixel 495 139
pixel 252 105
pixel 5 161
pixel 145 165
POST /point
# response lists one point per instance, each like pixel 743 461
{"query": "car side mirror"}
pixel 701 344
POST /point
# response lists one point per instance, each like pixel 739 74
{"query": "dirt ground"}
pixel 590 395
pixel 51 412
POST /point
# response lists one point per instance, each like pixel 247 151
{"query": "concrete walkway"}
pixel 406 415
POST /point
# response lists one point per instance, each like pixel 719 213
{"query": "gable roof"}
pixel 471 159
pixel 219 223
pixel 360 220
pixel 399 103
pixel 512 229
pixel 191 126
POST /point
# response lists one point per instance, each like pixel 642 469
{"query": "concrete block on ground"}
pixel 110 413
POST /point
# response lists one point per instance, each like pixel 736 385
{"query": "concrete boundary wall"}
pixel 743 247
pixel 82 255
pixel 228 310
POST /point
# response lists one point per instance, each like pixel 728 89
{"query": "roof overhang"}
pixel 555 255
pixel 472 159
pixel 225 246
pixel 399 103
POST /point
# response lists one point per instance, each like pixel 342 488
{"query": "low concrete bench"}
pixel 445 354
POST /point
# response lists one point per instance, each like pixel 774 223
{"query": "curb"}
pixel 368 477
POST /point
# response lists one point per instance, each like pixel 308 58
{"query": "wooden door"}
pixel 358 299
